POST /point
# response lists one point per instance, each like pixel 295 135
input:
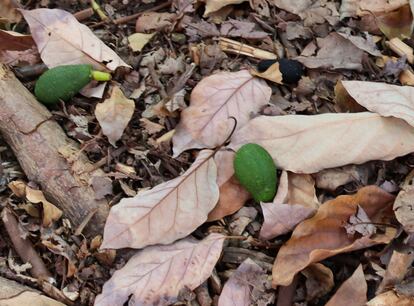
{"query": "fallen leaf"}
pixel 244 29
pixel 184 6
pixel 151 21
pixel 353 8
pixel 353 291
pixel 247 286
pixel 53 31
pixel 384 99
pixel 167 212
pixel 232 195
pixel 9 12
pixel 138 41
pixel 294 202
pixel 155 275
pixel 312 12
pixel 335 52
pixel 14 41
pixel 391 298
pixel 114 114
pixel 331 179
pixel 151 127
pixel 215 5
pixel 397 268
pixel 366 43
pixel 241 220
pixel 308 144
pixel 403 208
pixel 206 123
pixel 323 235
pixel 261 7
pixel 102 186
pixel 319 281
pixel 360 223
pixel 50 212
pixel 398 23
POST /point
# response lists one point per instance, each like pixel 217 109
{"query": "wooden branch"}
pixel 48 156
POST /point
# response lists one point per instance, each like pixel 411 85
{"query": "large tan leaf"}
pixel 384 99
pixel 62 40
pixel 246 286
pixel 155 275
pixel 353 8
pixel 352 292
pixel 308 144
pixel 206 123
pixel 294 202
pixel 324 235
pixel 232 195
pixel 167 212
pixel 215 5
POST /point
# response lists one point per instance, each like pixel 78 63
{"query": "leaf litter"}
pixel 164 132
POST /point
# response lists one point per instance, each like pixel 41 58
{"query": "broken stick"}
pixel 48 156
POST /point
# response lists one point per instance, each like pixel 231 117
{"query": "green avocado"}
pixel 256 171
pixel 62 83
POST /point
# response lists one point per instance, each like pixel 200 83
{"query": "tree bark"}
pixel 47 156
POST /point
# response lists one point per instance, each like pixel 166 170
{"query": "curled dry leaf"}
pixel 352 292
pixel 167 212
pixel 215 5
pixel 114 114
pixel 384 99
pixel 391 298
pixel 353 8
pixel 335 52
pixel 50 212
pixel 308 144
pixel 232 195
pixel 155 275
pixel 246 286
pixel 324 235
pixel 294 202
pixel 62 40
pixel 397 268
pixel 331 179
pixel 206 123
pixel 319 281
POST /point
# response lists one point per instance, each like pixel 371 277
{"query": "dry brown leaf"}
pixel 246 286
pixel 360 223
pixel 138 41
pixel 62 40
pixel 232 195
pixel 331 179
pixel 50 212
pixel 114 114
pixel 319 281
pixel 353 8
pixel 167 212
pixel 244 29
pixel 391 298
pixel 151 21
pixel 294 202
pixel 151 127
pixel 398 23
pixel 335 52
pixel 352 292
pixel 366 43
pixel 312 12
pixel 9 12
pixel 206 123
pixel 403 208
pixel 397 268
pixel 215 5
pixel 384 99
pixel 155 275
pixel 14 41
pixel 308 144
pixel 323 235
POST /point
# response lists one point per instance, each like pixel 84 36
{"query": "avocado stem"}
pixel 100 75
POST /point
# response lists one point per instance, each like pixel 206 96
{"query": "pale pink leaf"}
pixel 356 285
pixel 155 275
pixel 384 99
pixel 246 286
pixel 308 144
pixel 114 114
pixel 62 40
pixel 294 202
pixel 206 123
pixel 167 212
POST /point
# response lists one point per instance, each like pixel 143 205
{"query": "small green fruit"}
pixel 256 171
pixel 63 82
